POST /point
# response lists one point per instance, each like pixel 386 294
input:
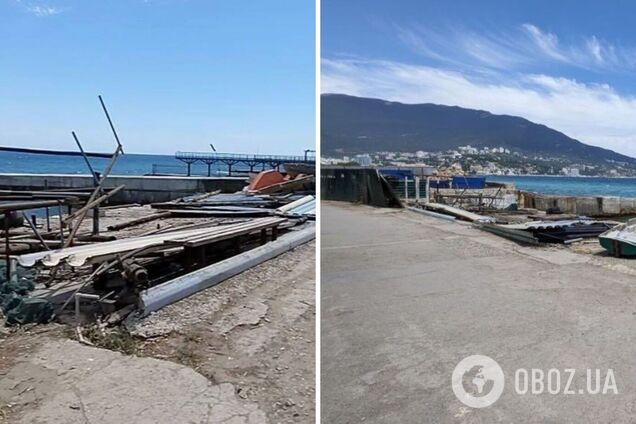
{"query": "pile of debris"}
pixel 548 229
pixel 126 267
pixel 150 256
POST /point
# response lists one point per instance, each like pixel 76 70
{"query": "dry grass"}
pixel 112 339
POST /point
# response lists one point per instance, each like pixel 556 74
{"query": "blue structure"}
pixel 469 182
pixel 396 173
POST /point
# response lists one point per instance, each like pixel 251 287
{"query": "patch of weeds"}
pixel 186 350
pixel 112 339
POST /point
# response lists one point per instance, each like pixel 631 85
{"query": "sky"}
pixel 175 74
pixel 570 65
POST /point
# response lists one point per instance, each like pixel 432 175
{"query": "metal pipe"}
pixel 110 122
pixel 61 223
pixel 417 189
pixel 84 209
pixel 171 291
pixel 48 219
pixel 19 206
pixel 88 163
pixel 7 247
pixel 93 195
pixel 78 298
pixel 96 220
pixel 427 189
pixel 432 214
pixel 406 188
pixel 35 231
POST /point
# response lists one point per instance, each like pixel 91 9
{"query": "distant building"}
pixel 331 161
pixel 468 150
pixel 363 160
pixel 571 172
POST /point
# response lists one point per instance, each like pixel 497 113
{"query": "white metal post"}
pixel 406 188
pixel 428 189
pixel 417 189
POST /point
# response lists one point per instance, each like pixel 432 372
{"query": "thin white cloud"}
pixel 592 113
pixel 43 10
pixel 548 43
pixel 462 47
pixel 38 9
pixel 595 49
pixel 515 49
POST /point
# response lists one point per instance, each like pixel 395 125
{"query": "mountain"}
pixel 361 125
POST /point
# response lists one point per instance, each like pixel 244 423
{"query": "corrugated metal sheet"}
pixel 308 208
pixel 99 252
pixel 548 225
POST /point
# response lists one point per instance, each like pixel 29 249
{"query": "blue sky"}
pixel 175 74
pixel 569 64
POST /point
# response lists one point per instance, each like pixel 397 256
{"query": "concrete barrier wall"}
pixel 357 184
pixel 580 205
pixel 139 189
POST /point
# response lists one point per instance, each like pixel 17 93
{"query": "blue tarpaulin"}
pixel 469 182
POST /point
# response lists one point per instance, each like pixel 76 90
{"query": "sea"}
pixel 141 164
pixel 127 164
pixel 571 186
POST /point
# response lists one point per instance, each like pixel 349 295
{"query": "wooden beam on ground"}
pixel 138 221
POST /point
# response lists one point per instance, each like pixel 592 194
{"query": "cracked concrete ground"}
pixel 255 331
pixel 72 383
pixel 405 297
pixel 239 352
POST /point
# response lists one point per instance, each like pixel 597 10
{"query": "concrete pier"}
pixel 139 188
pixel 580 205
pixel 406 297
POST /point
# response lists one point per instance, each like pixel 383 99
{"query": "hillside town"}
pixel 486 160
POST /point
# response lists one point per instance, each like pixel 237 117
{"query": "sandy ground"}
pixel 240 352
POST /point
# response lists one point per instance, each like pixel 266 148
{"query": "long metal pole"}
pixel 417 189
pixel 7 247
pixel 94 194
pixel 95 183
pixel 406 188
pixel 95 202
pixel 35 231
pixel 61 224
pixel 110 122
pixel 48 219
pixel 427 189
pixel 88 163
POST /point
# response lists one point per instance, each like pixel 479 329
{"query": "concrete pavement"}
pixel 405 297
pixel 66 382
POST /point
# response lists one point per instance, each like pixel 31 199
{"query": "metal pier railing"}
pixel 251 161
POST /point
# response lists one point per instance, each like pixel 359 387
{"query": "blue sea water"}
pixel 127 164
pixel 572 186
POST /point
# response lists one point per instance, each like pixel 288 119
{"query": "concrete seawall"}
pixel 139 188
pixel 580 205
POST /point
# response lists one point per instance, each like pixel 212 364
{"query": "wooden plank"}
pixel 225 235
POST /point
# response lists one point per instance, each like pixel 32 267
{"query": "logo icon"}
pixel 478 381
